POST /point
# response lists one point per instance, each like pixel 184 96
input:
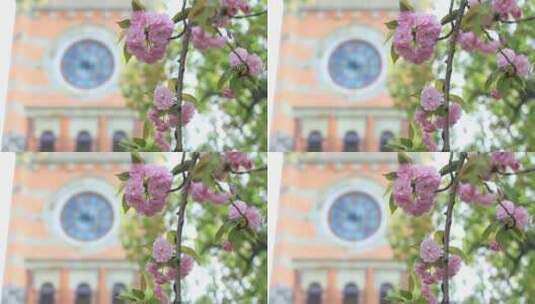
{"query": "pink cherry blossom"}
pixel 148 35
pixel 233 6
pixel 162 250
pixel 238 159
pixel 519 214
pixel 423 119
pixel 431 98
pixel 416 36
pixel 504 160
pixel 414 188
pixel 239 209
pixel 507 7
pixel 427 294
pixel 495 246
pixel 253 61
pixel 471 42
pixel 429 141
pixel 203 41
pixel 161 141
pixel 430 251
pixel 455 115
pixel 201 193
pixel 470 194
pixel 163 98
pixel 227 246
pixel 160 294
pixel 186 265
pixel 147 188
pixel 521 63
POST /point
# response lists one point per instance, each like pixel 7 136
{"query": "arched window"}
pixel 314 141
pixel 47 142
pixel 118 288
pixel 383 292
pixel 83 294
pixel 386 137
pixel 118 137
pixel 46 294
pixel 351 142
pixel 84 142
pixel 351 294
pixel 314 293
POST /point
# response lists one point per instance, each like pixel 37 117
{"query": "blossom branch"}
pixel 180 225
pixel 449 70
pixel 250 171
pixel 251 15
pixel 525 171
pixel 180 84
pixel 447 229
pixel 518 20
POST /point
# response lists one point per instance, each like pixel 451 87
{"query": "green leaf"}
pixel 126 54
pixel 224 78
pixel 404 6
pixel 389 35
pixel 123 176
pixel 392 204
pixel 126 207
pixel 124 24
pixel 491 228
pixel 459 252
pixel 171 236
pixel 222 230
pixel 450 167
pixel 190 98
pixel 138 293
pixel 390 176
pixel 197 9
pixel 182 167
pixel 440 84
pixel 392 25
pixel 136 158
pixel 406 294
pixel 438 237
pixel 502 237
pixel 235 84
pixel 137 6
pixel 393 54
pixel 450 17
pixel 404 158
pixel 140 142
pixel 181 15
pixel 191 252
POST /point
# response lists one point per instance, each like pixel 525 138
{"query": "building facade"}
pixel 330 242
pixel 63 92
pixel 331 90
pixel 63 245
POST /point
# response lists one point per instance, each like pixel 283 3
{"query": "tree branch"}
pixel 186 38
pixel 449 70
pixel 180 225
pixel 447 229
pixel 519 20
pixel 251 15
pixel 250 171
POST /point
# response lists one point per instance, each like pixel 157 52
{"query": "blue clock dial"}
pixel 354 216
pixel 87 64
pixel 355 64
pixel 87 217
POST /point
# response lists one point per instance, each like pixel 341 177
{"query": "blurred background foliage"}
pixel 500 277
pixel 239 276
pixel 504 124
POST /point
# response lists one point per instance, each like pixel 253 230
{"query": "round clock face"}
pixel 87 64
pixel 355 64
pixel 87 217
pixel 354 216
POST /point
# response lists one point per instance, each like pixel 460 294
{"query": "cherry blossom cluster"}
pixel 506 8
pixel 202 193
pixel 164 118
pixel 203 41
pixel 416 36
pixel 147 188
pixel 509 213
pixel 160 269
pixel 431 116
pixel 431 269
pixel 236 160
pixel 149 35
pixel 470 42
pixel 472 195
pixel 251 62
pixel 240 209
pixel 414 188
pixel 505 159
pixel 518 64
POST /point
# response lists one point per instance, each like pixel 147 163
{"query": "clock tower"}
pixel 63 237
pixel 331 90
pixel 63 92
pixel 330 238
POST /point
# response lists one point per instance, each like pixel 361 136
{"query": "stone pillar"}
pixel 298 135
pixel 33 143
pixel 31 296
pixel 299 294
pixel 332 293
pixel 371 141
pixel 65 142
pixel 103 293
pixel 332 139
pixel 371 293
pixel 64 291
pixel 103 142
